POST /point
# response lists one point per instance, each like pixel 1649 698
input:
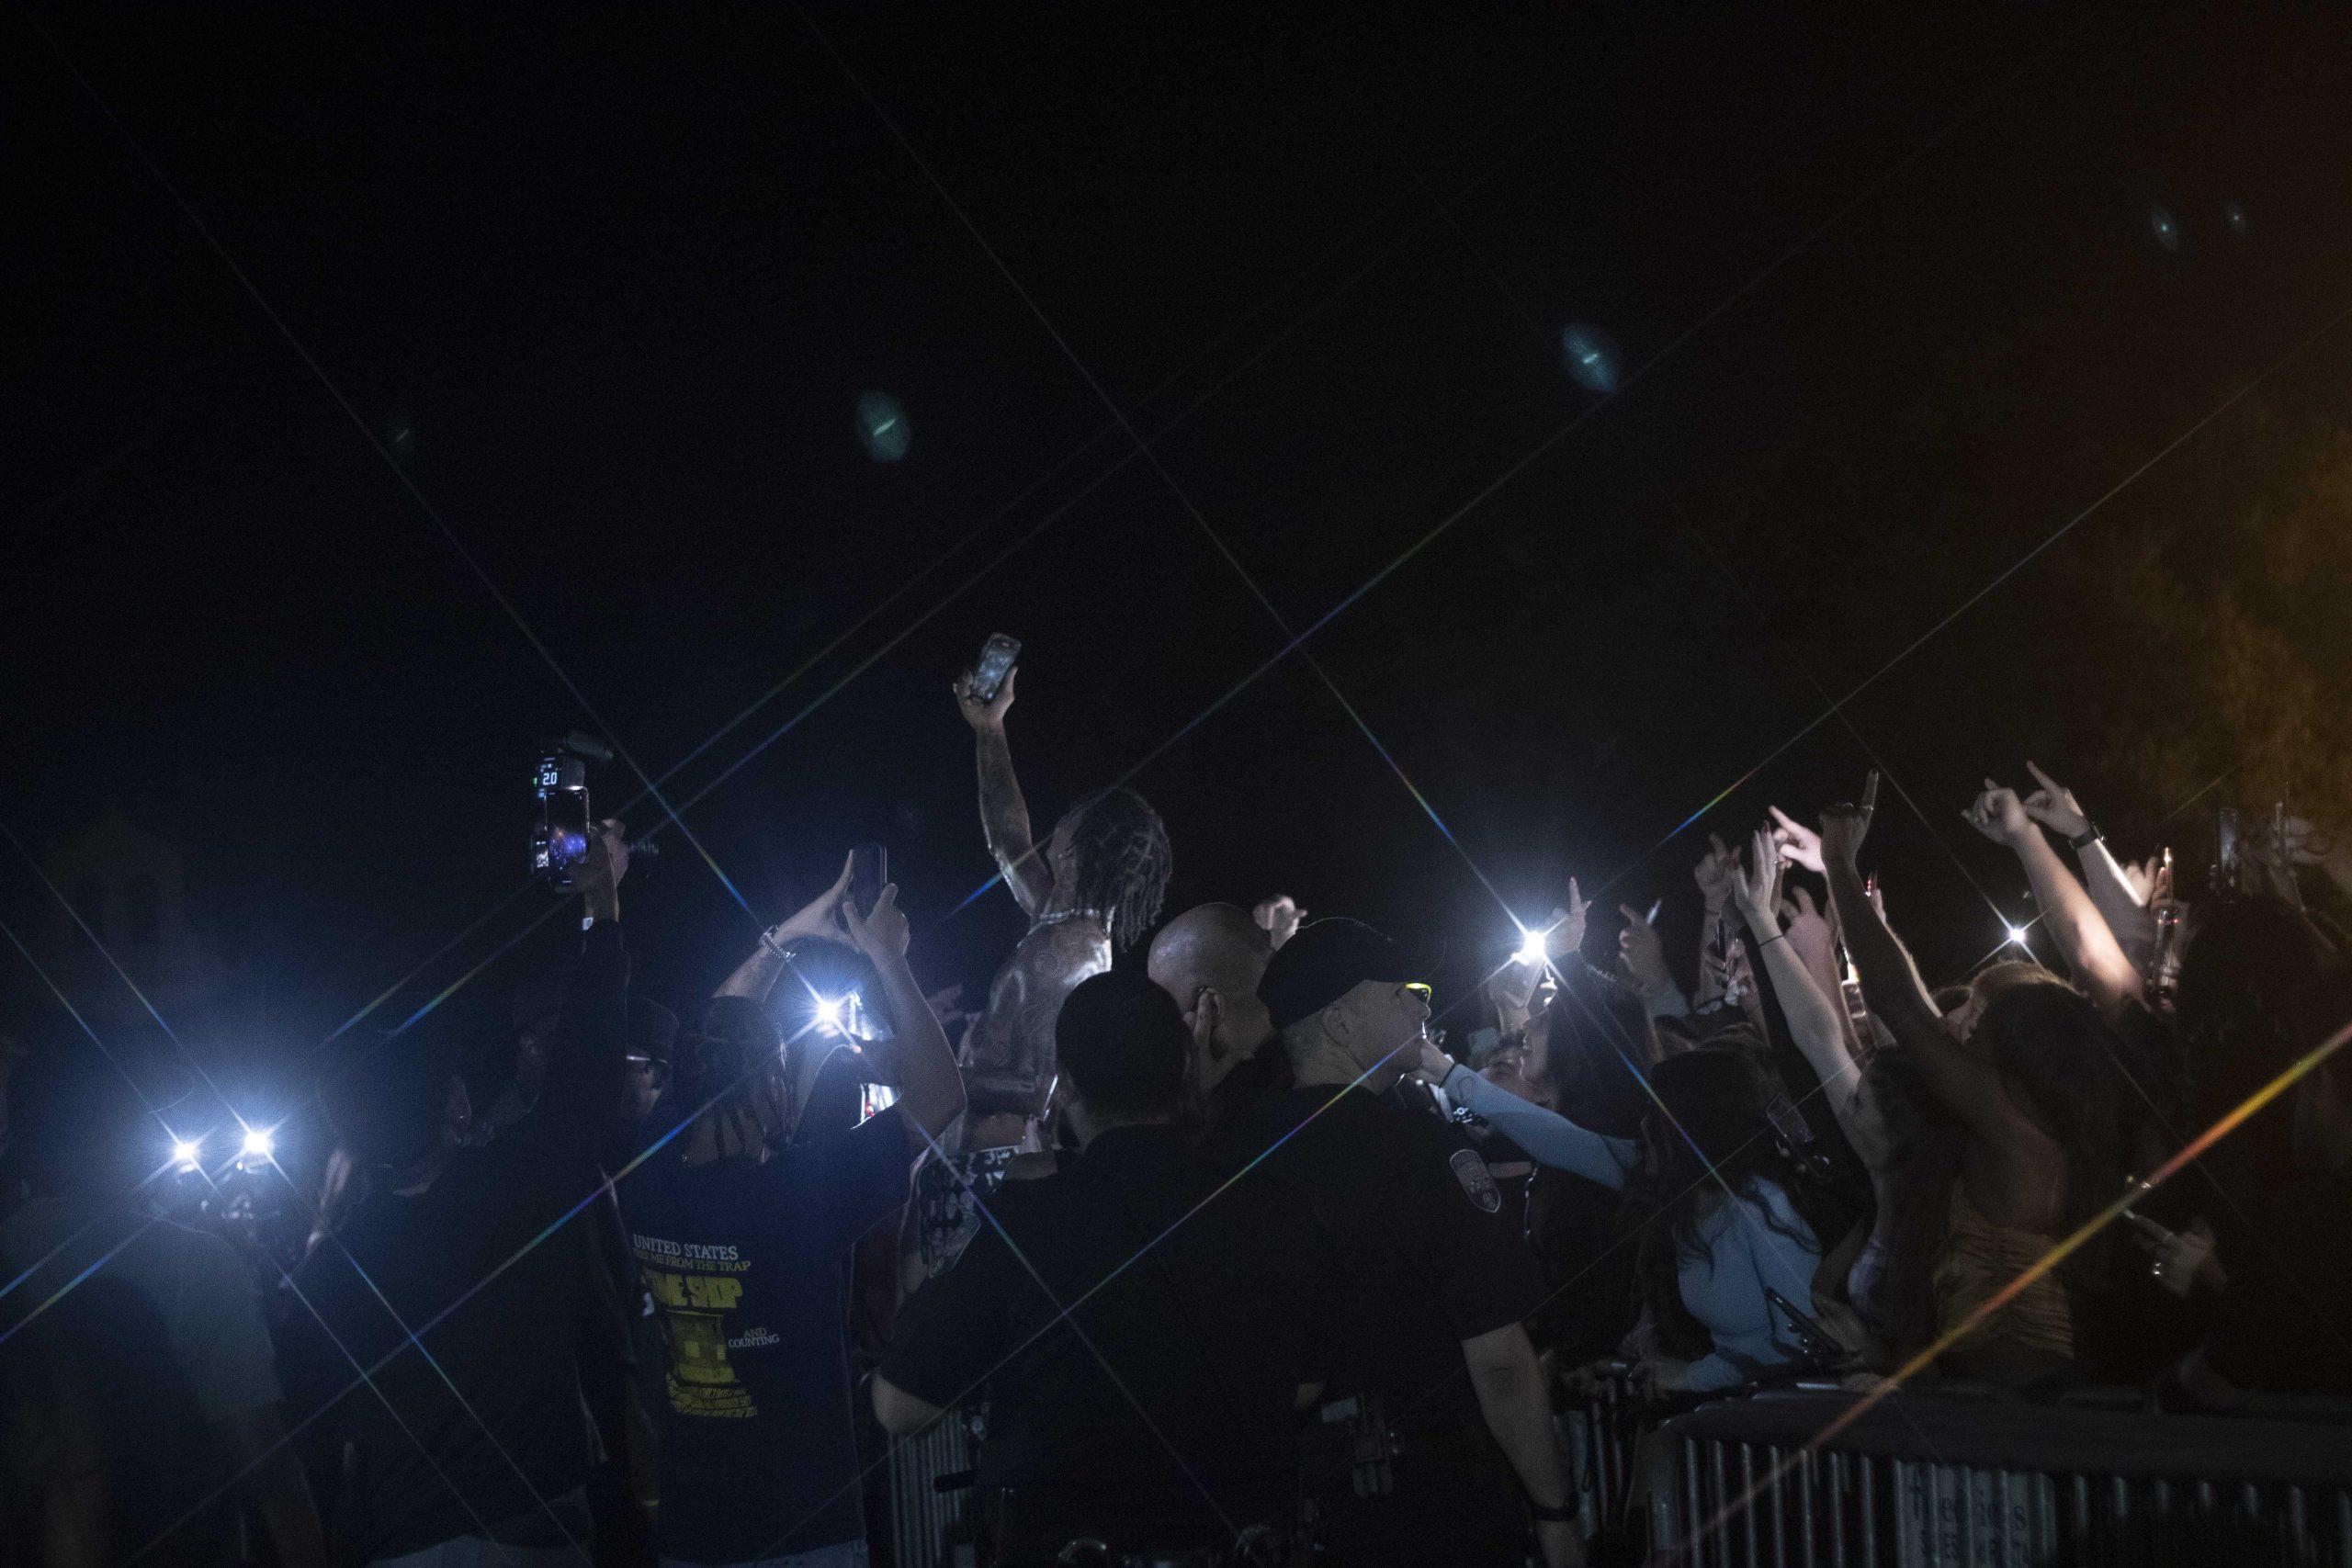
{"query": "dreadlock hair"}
pixel 728 1069
pixel 1121 858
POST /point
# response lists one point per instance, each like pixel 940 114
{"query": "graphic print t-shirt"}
pixel 744 1264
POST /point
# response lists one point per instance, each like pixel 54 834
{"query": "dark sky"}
pixel 622 276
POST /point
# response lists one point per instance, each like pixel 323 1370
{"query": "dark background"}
pixel 608 284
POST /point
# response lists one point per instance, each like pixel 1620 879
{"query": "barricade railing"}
pixel 1936 1480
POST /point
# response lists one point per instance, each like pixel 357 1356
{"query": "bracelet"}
pixel 2090 834
pixel 1565 1513
pixel 1776 936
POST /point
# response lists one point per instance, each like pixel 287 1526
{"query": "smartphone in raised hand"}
pixel 869 872
pixel 997 657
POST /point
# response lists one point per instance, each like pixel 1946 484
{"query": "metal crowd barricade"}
pixel 1941 1481
pixel 927 1517
pixel 1600 1431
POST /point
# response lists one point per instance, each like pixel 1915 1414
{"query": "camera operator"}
pixel 1210 1330
pixel 135 1370
pixel 474 1443
pixel 1435 1284
pixel 740 1230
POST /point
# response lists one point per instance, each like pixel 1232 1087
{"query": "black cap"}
pixel 1325 960
pixel 653 1029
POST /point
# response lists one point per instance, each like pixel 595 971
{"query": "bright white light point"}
pixel 2017 935
pixel 1531 948
pixel 184 1152
pixel 259 1144
pixel 829 1012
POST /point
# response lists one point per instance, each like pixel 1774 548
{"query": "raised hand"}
pixel 598 877
pixel 815 919
pixel 984 716
pixel 1999 815
pixel 1798 844
pixel 1279 918
pixel 882 935
pixel 1810 932
pixel 1843 829
pixel 1643 951
pixel 1716 871
pixel 1757 888
pixel 1564 935
pixel 2055 806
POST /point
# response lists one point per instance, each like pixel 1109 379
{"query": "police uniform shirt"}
pixel 1425 1254
pixel 1207 1320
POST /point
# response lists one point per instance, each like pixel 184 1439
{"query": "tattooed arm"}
pixel 1004 816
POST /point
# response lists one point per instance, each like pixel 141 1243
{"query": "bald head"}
pixel 1214 954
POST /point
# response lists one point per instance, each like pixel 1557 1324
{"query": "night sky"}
pixel 608 284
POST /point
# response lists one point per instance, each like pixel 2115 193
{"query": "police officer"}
pixel 1435 1401
pixel 1157 1415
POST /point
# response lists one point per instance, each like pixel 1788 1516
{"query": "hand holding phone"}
pixel 998 655
pixel 870 871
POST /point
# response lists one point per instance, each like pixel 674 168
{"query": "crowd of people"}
pixel 1220 1256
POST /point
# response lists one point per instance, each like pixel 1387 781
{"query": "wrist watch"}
pixel 2090 835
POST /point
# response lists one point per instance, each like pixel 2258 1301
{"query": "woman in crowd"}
pixel 1724 1197
pixel 2029 1075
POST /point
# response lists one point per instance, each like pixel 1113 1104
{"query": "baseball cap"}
pixel 1328 958
pixel 652 1030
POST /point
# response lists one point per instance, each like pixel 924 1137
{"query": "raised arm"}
pixel 1551 1138
pixel 757 974
pixel 2111 893
pixel 2067 913
pixel 1891 987
pixel 1816 1023
pixel 587 1057
pixel 1004 816
pixel 1715 873
pixel 931 1090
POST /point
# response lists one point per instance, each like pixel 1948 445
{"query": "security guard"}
pixel 1436 1400
pixel 1157 1415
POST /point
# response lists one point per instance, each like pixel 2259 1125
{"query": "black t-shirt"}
pixel 1206 1305
pixel 1425 1254
pixel 744 1261
pixel 486 1267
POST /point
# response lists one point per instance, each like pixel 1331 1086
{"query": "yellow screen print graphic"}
pixel 694 1309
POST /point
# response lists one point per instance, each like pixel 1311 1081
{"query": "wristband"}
pixel 1776 936
pixel 2090 834
pixel 1565 1513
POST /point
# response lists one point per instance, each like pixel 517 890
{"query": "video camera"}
pixel 560 838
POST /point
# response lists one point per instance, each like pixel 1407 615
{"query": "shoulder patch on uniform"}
pixel 1477 1182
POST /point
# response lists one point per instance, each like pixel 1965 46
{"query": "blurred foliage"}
pixel 2217 640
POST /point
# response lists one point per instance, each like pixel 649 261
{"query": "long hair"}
pixel 1122 861
pixel 1709 1130
pixel 2078 1080
pixel 2084 1086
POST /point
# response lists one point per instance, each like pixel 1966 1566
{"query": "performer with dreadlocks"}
pixel 1092 887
